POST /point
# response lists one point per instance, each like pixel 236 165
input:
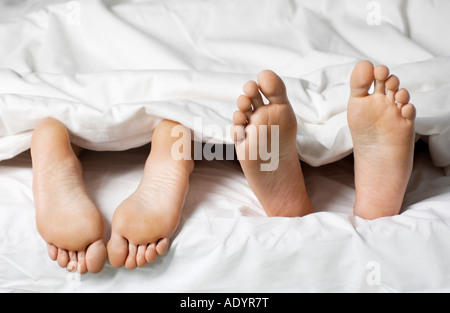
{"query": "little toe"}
pixel 162 246
pixel 381 75
pixel 251 89
pixel 52 252
pixel 273 87
pixel 409 112
pixel 362 79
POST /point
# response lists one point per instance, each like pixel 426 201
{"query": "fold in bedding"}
pixel 111 70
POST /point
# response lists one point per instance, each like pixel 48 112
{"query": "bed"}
pixel 111 70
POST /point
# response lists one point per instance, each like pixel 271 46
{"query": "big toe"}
pixel 273 87
pixel 96 256
pixel 117 250
pixel 362 79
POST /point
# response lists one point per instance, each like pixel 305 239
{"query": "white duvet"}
pixel 111 70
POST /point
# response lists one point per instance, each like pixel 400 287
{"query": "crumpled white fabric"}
pixel 111 70
pixel 226 244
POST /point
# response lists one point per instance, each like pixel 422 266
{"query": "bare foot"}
pixel 66 217
pixel 382 127
pixel 281 189
pixel 144 223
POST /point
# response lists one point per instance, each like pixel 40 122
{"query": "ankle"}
pixel 371 209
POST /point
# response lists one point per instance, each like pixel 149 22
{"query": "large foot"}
pixel 382 128
pixel 66 217
pixel 272 128
pixel 144 223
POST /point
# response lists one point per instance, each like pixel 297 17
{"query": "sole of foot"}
pixel 270 127
pixel 66 217
pixel 144 223
pixel 382 128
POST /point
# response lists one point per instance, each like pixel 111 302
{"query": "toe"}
pixel 392 85
pixel 130 262
pixel 162 246
pixel 52 252
pixel 140 256
pixel 150 253
pixel 244 103
pixel 409 112
pixel 73 262
pixel 117 250
pixel 63 258
pixel 362 79
pixel 96 256
pixel 273 87
pixel 245 106
pixel 252 91
pixel 239 118
pixel 402 97
pixel 381 75
pixel 82 267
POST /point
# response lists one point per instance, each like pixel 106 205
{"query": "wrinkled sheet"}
pixel 226 244
pixel 112 72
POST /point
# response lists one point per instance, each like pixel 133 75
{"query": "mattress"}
pixel 112 70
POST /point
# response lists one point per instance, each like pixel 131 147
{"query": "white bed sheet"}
pixel 226 244
pixel 111 70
